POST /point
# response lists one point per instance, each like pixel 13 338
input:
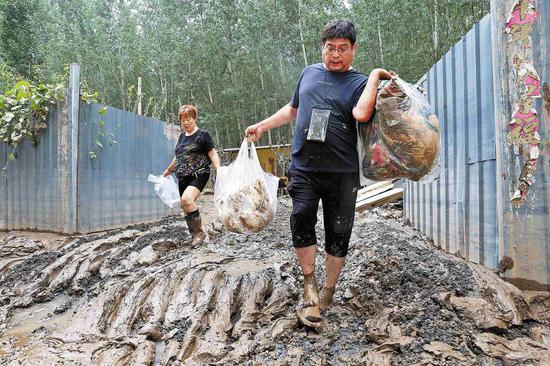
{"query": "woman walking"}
pixel 191 165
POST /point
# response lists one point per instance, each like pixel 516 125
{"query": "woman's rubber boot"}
pixel 194 223
pixel 310 314
pixel 325 297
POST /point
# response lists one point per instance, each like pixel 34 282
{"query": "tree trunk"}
pixel 435 33
pixel 139 96
pixel 226 124
pixel 281 70
pixel 301 32
pixel 211 101
pixel 380 45
pixel 264 92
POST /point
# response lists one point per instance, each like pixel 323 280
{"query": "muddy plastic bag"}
pixel 167 189
pixel 402 140
pixel 245 196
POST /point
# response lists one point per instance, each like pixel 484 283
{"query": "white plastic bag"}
pixel 245 196
pixel 167 189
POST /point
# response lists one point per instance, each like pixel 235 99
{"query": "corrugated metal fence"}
pixel 111 189
pixel 461 211
pixel 35 193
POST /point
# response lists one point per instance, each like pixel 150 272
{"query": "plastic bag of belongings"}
pixel 402 139
pixel 167 189
pixel 245 196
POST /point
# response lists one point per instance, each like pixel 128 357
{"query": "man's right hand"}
pixel 253 132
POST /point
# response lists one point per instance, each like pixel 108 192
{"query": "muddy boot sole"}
pixel 198 240
pixel 310 316
pixel 326 296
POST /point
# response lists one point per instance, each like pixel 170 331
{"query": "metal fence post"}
pixel 73 106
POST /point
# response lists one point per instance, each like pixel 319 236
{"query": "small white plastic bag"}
pixel 245 196
pixel 167 189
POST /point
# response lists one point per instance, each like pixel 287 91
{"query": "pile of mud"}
pixel 140 296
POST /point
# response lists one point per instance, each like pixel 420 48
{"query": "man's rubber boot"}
pixel 194 223
pixel 310 314
pixel 325 297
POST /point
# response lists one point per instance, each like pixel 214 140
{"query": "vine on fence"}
pixel 24 111
pixel 102 137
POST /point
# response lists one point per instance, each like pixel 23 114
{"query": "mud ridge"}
pixel 141 296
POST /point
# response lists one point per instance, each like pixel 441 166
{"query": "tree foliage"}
pixel 238 60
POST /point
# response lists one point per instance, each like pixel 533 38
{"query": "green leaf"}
pixel 36 101
pixel 92 155
pixel 23 95
pixel 16 136
pixel 11 156
pixel 8 116
pixel 22 85
pixel 99 144
pixel 102 111
pixel 101 123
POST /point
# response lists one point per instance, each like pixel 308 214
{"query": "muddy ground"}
pixel 140 296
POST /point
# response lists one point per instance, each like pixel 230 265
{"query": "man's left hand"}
pixel 384 74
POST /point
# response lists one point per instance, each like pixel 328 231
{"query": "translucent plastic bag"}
pixel 402 140
pixel 245 196
pixel 167 189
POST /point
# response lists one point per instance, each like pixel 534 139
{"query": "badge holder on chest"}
pixel 320 115
pixel 319 123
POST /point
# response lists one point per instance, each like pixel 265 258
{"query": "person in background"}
pixel 191 164
pixel 329 98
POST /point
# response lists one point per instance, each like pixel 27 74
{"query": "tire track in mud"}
pixel 140 296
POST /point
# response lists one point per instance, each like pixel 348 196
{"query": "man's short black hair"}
pixel 339 28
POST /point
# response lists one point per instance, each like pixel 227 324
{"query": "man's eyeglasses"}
pixel 332 50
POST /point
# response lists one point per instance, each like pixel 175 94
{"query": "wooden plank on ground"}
pixel 373 187
pixel 379 200
pixel 374 192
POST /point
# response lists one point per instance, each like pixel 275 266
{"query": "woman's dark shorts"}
pixel 199 181
pixel 338 192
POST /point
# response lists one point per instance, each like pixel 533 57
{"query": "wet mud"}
pixel 142 296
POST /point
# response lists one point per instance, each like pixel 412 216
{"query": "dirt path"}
pixel 140 296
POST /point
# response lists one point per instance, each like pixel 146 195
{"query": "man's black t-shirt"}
pixel 192 153
pixel 340 91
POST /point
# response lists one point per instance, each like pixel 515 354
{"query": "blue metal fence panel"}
pixel 34 189
pixel 3 188
pixel 113 186
pixel 458 211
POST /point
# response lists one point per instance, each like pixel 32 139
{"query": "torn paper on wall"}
pixel 520 21
pixel 523 129
pixel 526 179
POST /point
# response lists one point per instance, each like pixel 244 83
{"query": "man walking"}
pixel 329 98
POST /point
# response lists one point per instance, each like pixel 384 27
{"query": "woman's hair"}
pixel 187 110
pixel 339 28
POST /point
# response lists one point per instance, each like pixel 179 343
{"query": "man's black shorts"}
pixel 338 192
pixel 198 182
